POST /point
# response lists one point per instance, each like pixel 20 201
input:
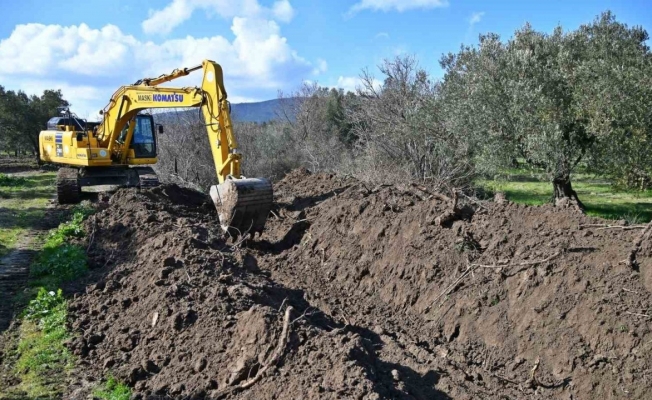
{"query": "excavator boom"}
pixel 243 204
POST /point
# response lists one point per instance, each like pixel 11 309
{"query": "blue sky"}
pixel 89 48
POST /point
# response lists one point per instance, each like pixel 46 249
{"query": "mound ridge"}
pixel 509 301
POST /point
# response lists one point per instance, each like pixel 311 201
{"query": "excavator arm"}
pixel 211 97
pixel 242 204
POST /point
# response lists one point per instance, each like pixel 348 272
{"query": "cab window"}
pixel 144 141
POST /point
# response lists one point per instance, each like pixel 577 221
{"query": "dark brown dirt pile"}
pixel 177 312
pixel 511 302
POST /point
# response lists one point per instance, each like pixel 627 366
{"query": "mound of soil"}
pixel 388 300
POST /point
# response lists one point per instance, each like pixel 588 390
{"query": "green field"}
pixel 23 201
pixel 598 195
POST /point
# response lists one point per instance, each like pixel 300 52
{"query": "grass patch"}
pixel 23 204
pixel 61 261
pixel 43 360
pixel 113 390
pixel 7 180
pixel 600 197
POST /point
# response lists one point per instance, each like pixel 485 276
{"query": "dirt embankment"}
pixel 509 302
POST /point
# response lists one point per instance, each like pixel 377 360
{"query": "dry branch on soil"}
pixel 92 235
pixel 638 314
pixel 607 226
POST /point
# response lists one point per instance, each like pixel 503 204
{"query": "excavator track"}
pixel 68 187
pixel 147 178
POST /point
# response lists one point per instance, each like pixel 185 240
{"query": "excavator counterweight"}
pixel 118 150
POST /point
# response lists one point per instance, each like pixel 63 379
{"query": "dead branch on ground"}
pixel 472 267
pixel 607 226
pixel 638 314
pixel 534 382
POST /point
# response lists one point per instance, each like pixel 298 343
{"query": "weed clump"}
pixel 7 180
pixel 61 260
pixel 113 390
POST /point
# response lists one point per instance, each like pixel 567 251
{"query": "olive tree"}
pixel 618 77
pixel 544 98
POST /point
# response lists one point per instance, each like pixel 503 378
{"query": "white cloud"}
pixel 34 48
pixel 348 83
pixel 178 11
pixel 321 67
pixel 352 83
pixel 382 35
pixel 84 98
pixel 476 17
pixel 283 10
pixel 398 5
pixel 257 62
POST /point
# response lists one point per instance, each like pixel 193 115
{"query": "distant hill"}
pixel 263 111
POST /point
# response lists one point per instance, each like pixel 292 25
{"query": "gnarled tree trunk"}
pixel 563 193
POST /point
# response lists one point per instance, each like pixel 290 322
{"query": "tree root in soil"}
pixel 451 215
pixel 631 259
pixel 472 267
pixel 269 363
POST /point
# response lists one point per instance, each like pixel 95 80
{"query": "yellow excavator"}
pixel 117 150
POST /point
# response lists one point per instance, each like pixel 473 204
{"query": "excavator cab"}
pixel 143 142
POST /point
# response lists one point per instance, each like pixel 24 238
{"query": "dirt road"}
pixel 14 266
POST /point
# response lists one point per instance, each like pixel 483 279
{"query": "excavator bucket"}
pixel 243 204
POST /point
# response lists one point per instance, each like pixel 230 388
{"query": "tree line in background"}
pixel 23 117
pixel 555 102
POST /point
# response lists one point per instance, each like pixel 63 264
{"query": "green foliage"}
pixel 85 208
pixel 22 117
pixel 600 198
pixel 554 100
pixel 48 309
pixel 43 357
pixel 24 207
pixel 6 180
pixel 43 360
pixel 64 263
pixel 60 260
pixel 66 230
pixel 113 390
pixel 495 301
